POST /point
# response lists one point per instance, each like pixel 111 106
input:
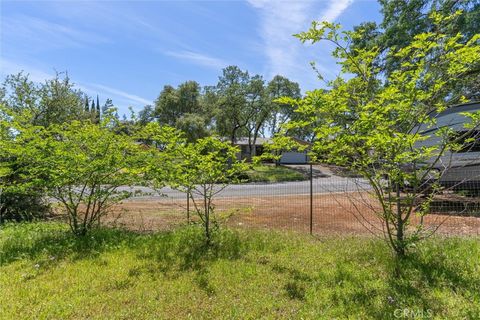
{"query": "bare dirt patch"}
pixel 342 213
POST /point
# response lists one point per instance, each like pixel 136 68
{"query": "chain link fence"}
pixel 330 201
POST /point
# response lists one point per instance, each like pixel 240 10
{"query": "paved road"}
pixel 320 185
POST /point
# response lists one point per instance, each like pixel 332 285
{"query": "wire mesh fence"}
pixel 329 201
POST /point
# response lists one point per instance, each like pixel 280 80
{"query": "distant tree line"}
pixel 238 106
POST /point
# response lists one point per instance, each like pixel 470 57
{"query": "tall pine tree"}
pixel 107 105
pixel 98 109
pixel 93 113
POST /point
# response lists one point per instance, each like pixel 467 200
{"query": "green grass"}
pixel 271 173
pixel 45 273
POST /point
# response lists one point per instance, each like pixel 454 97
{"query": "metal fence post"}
pixel 311 199
pixel 188 206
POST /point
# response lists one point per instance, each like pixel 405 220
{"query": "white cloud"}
pixel 116 92
pixel 199 59
pixel 279 20
pixel 335 9
pixel 114 17
pixel 39 34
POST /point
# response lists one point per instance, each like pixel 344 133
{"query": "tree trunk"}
pixel 207 216
pixel 255 136
pixel 233 136
pixel 250 148
pixel 400 247
pixel 253 150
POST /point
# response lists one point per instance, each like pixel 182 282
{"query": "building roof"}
pixel 464 107
pixel 243 141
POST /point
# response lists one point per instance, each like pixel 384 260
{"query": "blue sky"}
pixel 128 51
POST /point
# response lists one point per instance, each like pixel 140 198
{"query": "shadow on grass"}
pixel 297 282
pixel 171 253
pixel 411 283
pixel 186 251
pixel 368 279
pixel 55 242
pixel 446 267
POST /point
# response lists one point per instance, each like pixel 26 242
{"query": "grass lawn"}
pixel 114 274
pixel 272 173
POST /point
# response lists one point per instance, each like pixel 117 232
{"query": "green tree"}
pixel 232 115
pixel 21 198
pixel 82 166
pixel 201 169
pixel 279 87
pixel 54 101
pixel 246 106
pixel 97 111
pixel 165 165
pixel 166 106
pixel 87 108
pixel 403 20
pixel 189 97
pixel 209 103
pixel 286 113
pixel 108 105
pixel 163 156
pixel 5 167
pixel 205 168
pixel 370 124
pixel 259 109
pixel 93 112
pixel 195 126
pixel 146 115
pixel 182 108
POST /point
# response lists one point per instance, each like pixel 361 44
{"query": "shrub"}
pixel 82 166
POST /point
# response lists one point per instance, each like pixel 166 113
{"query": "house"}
pixel 463 166
pixel 288 157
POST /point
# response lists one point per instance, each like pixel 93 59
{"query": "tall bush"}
pixel 20 198
pixel 83 167
pixel 206 168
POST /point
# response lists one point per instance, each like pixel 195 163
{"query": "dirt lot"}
pixel 343 213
